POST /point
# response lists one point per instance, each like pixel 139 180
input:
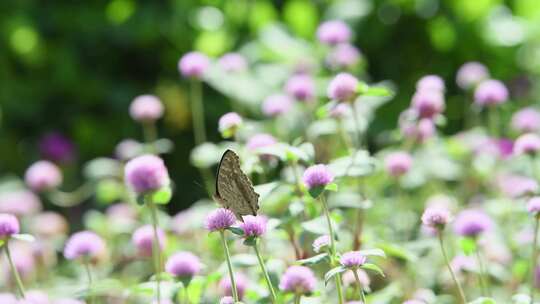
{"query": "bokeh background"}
pixel 72 69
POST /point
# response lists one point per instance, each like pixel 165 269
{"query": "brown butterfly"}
pixel 234 190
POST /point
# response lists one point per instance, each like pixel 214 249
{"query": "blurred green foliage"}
pixel 74 68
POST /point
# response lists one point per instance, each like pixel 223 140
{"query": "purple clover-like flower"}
pixel 428 103
pixel 128 149
pixel 19 202
pixel 49 224
pixel 220 219
pixel 353 259
pixel 143 239
pixel 228 123
pixel 430 83
pixel 226 300
pixel 43 175
pixel 183 265
pixel 146 173
pixel 9 225
pixel 472 223
pixel 526 120
pixel 193 65
pixel 490 93
pixel 398 163
pixel 436 217
pixel 317 176
pixel 528 143
pixel 343 87
pixel 260 141
pixel 343 56
pixel 340 110
pixel 533 205
pixel 233 63
pixel 321 243
pixel 241 285
pixel 253 226
pixel 277 104
pixel 56 147
pixel 301 87
pixel 471 74
pixel 299 280
pixel 146 108
pixel 334 32
pixel 84 244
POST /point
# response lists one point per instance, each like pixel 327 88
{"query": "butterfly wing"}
pixel 234 190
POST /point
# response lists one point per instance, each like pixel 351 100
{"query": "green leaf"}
pixel 236 230
pixel 333 272
pixel 315 192
pixel 373 267
pixel 162 196
pixel 141 199
pixel 24 237
pixel 314 259
pixel 396 251
pixel 331 187
pixel 378 91
pixel 373 252
pixel 250 241
pixel 467 245
pixel 2 242
pixel 362 88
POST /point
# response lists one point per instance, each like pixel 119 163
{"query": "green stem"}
pixel 15 272
pixel 357 127
pixel 150 136
pixel 534 258
pixel 197 112
pixel 90 284
pixel 156 252
pixel 454 278
pixel 265 272
pixel 229 266
pixel 493 121
pixel 332 248
pixel 297 298
pixel 483 275
pixel 360 288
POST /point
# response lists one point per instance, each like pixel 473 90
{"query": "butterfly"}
pixel 234 190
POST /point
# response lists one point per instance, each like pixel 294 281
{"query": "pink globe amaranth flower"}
pixel 526 120
pixel 472 223
pixel 490 93
pixel 343 87
pixel 9 225
pixel 353 259
pixel 260 141
pixel 43 175
pixel 143 239
pixel 436 217
pixel 515 186
pixel 23 259
pixel 334 32
pixel 398 163
pixel 220 219
pixel 226 300
pixel 321 243
pixel 301 87
pixel 277 104
pixel 56 147
pixel 228 123
pixel 428 103
pixel 146 173
pixel 20 202
pixel 183 265
pixel 317 176
pixel 193 65
pixel 84 244
pixel 471 74
pixel 233 63
pixel 49 224
pixel 343 56
pixel 36 297
pixel 340 110
pixel 527 144
pixel 128 149
pixel 253 226
pixel 146 108
pixel 349 279
pixel 430 83
pixel 298 280
pixel 533 205
pixel 241 285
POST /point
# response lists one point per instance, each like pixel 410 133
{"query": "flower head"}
pixel 43 175
pixel 49 224
pixel 146 173
pixel 436 217
pixel 220 219
pixel 260 141
pixel 233 62
pixel 226 300
pixel 301 87
pixel 56 147
pixel 9 225
pixel 143 239
pixel 298 280
pixel 321 243
pixel 334 32
pixel 398 163
pixel 253 226
pixel 277 104
pixel 428 103
pixel 472 223
pixel 84 244
pixel 241 285
pixel 490 92
pixel 533 205
pixel 317 176
pixel 127 149
pixel 340 110
pixel 471 74
pixel 343 87
pixel 353 259
pixel 526 120
pixel 229 123
pixel 343 55
pixel 19 202
pixel 528 143
pixel 193 65
pixel 183 264
pixel 146 108
pixel 430 83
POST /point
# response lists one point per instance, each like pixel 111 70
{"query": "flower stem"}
pixel 89 276
pixel 156 254
pixel 360 288
pixel 15 272
pixel 197 112
pixel 229 265
pixel 265 272
pixel 150 136
pixel 493 121
pixel 297 298
pixel 534 258
pixel 458 285
pixel 332 248
pixel 483 275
